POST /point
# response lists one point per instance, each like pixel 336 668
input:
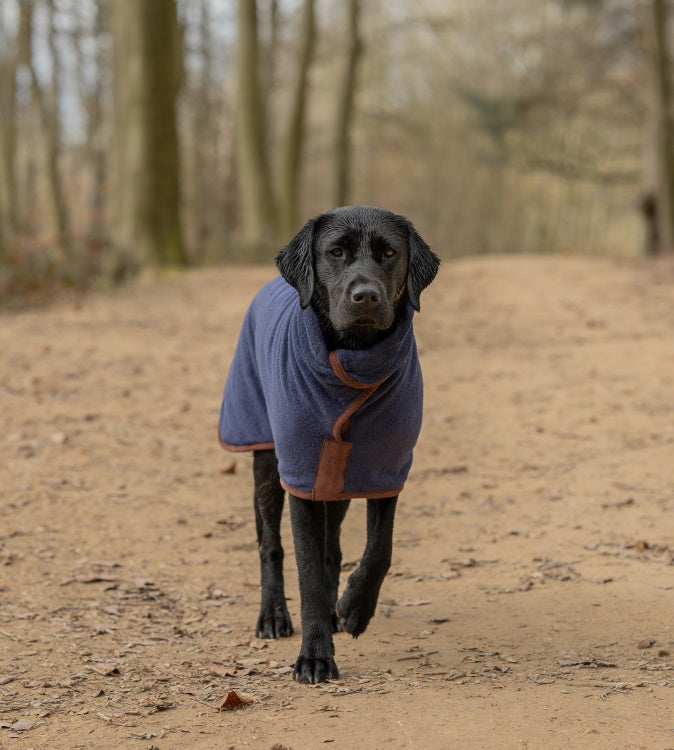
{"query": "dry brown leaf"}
pixel 22 725
pixel 106 669
pixel 233 701
pixel 251 661
pixel 619 503
pixel 277 664
pixel 94 579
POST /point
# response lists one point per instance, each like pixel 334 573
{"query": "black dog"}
pixel 358 273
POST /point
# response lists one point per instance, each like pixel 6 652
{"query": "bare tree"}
pixel 293 138
pixel 341 172
pixel 147 66
pixel 257 202
pixel 89 75
pixel 8 58
pixel 47 104
pixel 664 200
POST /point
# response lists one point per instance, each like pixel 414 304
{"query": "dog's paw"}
pixel 311 670
pixel 274 622
pixel 355 612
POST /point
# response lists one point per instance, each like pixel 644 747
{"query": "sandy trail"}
pixel 530 603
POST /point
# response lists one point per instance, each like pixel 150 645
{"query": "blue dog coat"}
pixel 343 423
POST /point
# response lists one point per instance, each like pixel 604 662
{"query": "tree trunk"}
pixel 268 56
pixel 147 69
pixel 341 157
pixel 202 141
pixel 291 147
pixel 47 104
pixel 257 204
pixel 665 130
pixel 92 103
pixel 7 146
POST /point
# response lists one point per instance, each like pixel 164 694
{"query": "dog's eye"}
pixel 389 253
pixel 337 252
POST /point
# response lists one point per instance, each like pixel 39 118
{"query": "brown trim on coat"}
pixel 341 373
pixel 333 460
pixel 244 448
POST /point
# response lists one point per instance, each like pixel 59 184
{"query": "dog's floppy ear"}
pixel 423 265
pixel 296 262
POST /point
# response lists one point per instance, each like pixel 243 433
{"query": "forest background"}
pixel 150 133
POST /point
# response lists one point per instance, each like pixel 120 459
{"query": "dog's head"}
pixel 356 265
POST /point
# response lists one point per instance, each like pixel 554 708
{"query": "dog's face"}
pixel 356 266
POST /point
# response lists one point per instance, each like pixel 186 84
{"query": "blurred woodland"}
pixel 138 133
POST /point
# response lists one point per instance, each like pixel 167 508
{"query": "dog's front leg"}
pixel 335 511
pixel 359 600
pixel 274 620
pixel 315 662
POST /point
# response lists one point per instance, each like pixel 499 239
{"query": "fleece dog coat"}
pixel 343 423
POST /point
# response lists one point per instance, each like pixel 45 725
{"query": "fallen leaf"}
pixel 145 583
pixel 94 579
pixel 22 725
pixel 231 524
pixel 258 643
pixel 413 602
pixel 588 662
pixel 646 643
pixel 253 661
pixel 233 701
pixel 619 503
pixel 106 669
pixel 229 469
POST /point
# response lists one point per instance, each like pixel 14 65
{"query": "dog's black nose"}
pixel 365 295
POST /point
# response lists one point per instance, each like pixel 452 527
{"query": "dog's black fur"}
pixel 356 266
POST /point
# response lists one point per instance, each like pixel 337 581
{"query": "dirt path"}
pixel 531 600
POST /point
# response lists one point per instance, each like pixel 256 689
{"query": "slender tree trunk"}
pixel 92 103
pixel 268 56
pixel 291 147
pixel 147 68
pixel 665 130
pixel 341 157
pixel 47 104
pixel 7 146
pixel 257 203
pixel 202 139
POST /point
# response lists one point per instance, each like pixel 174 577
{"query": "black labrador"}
pixel 357 267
